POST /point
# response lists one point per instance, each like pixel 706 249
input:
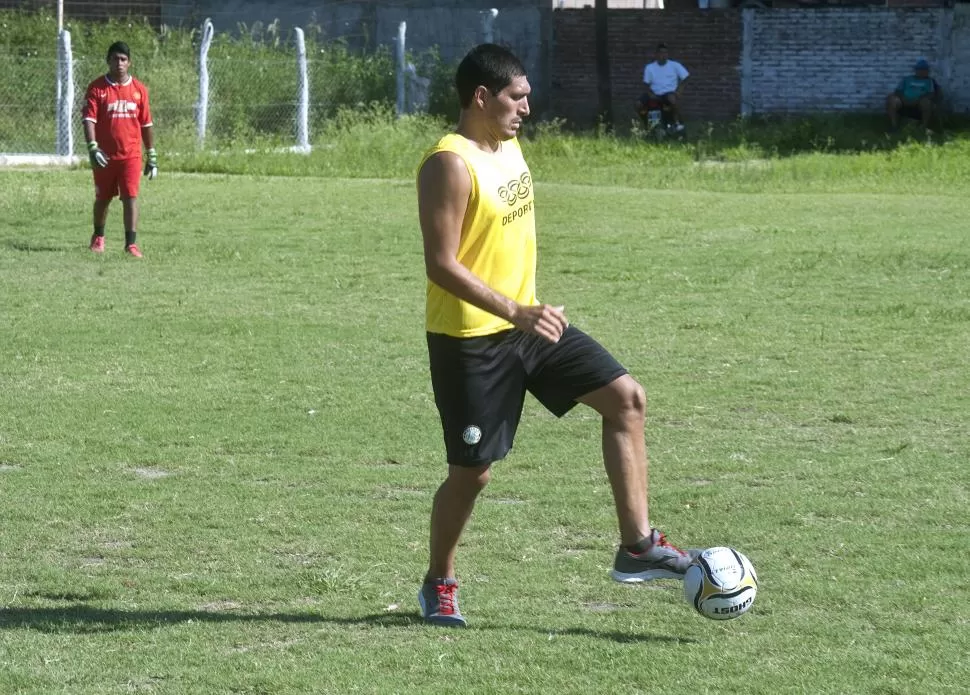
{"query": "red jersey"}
pixel 119 111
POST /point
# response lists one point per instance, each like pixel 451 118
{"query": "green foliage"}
pixel 442 95
pixel 252 80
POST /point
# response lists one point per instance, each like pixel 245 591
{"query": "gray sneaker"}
pixel 661 561
pixel 439 602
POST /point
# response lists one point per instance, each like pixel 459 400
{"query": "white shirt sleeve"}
pixel 647 79
pixel 682 73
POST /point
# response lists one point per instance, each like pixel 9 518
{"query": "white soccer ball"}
pixel 721 584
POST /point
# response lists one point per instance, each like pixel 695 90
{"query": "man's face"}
pixel 661 56
pixel 118 66
pixel 507 108
pixel 922 73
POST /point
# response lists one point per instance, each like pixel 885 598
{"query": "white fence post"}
pixel 303 99
pixel 202 108
pixel 65 95
pixel 489 25
pixel 401 67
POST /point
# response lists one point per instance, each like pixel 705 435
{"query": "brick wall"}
pixel 761 60
pixel 835 59
pixel 708 43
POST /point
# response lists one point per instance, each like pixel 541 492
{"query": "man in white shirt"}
pixel 664 79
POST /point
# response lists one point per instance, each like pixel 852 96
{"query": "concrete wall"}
pixel 451 26
pixel 456 30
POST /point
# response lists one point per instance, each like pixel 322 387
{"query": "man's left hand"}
pixel 151 164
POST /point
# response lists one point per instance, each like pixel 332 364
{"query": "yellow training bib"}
pixel 498 238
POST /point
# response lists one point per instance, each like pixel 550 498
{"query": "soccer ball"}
pixel 721 584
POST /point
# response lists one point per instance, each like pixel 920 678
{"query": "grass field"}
pixel 216 464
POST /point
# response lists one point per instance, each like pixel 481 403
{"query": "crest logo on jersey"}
pixel 122 106
pixel 516 189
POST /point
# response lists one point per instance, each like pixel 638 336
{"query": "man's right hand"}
pixel 97 156
pixel 541 319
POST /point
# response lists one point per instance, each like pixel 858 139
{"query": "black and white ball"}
pixel 721 584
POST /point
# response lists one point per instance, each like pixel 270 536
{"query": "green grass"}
pixel 743 157
pixel 216 464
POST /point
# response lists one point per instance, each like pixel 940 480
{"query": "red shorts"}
pixel 121 177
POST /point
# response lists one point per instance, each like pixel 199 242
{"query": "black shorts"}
pixel 480 384
pixel 653 103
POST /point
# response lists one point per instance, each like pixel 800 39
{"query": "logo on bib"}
pixel 516 189
pixel 472 435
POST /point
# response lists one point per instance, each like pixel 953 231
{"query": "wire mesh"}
pixel 253 78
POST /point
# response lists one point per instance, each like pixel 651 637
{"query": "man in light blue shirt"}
pixel 664 79
pixel 916 96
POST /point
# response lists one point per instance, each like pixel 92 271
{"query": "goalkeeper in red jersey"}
pixel 117 119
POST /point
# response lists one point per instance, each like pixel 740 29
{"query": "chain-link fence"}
pixel 251 85
pixel 28 103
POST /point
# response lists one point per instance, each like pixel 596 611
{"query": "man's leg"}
pixel 450 512
pixel 130 207
pixel 131 225
pixel 101 212
pixel 893 105
pixel 673 106
pixel 129 186
pixel 926 112
pixel 623 405
pixel 645 553
pixel 100 218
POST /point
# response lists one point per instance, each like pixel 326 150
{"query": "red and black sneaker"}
pixel 439 602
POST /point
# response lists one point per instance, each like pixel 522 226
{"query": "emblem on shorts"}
pixel 472 435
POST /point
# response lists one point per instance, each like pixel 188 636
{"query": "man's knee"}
pixel 628 402
pixel 893 102
pixel 469 480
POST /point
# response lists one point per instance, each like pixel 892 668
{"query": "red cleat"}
pixel 132 250
pixel 97 243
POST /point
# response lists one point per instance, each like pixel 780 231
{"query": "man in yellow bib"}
pixel 490 340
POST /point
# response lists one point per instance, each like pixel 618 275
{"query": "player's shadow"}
pixel 31 246
pixel 83 618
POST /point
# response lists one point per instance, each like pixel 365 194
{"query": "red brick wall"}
pixel 707 42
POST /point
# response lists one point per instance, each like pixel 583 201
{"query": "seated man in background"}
pixel 917 96
pixel 664 79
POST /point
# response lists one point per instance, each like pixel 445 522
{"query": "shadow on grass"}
pixel 82 618
pixel 31 246
pixel 786 136
pixel 792 135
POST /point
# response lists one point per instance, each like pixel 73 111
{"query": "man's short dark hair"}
pixel 119 47
pixel 661 46
pixel 487 65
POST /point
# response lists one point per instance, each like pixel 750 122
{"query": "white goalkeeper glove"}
pixel 97 156
pixel 151 164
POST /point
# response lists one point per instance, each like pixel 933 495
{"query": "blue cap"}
pixel 922 64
